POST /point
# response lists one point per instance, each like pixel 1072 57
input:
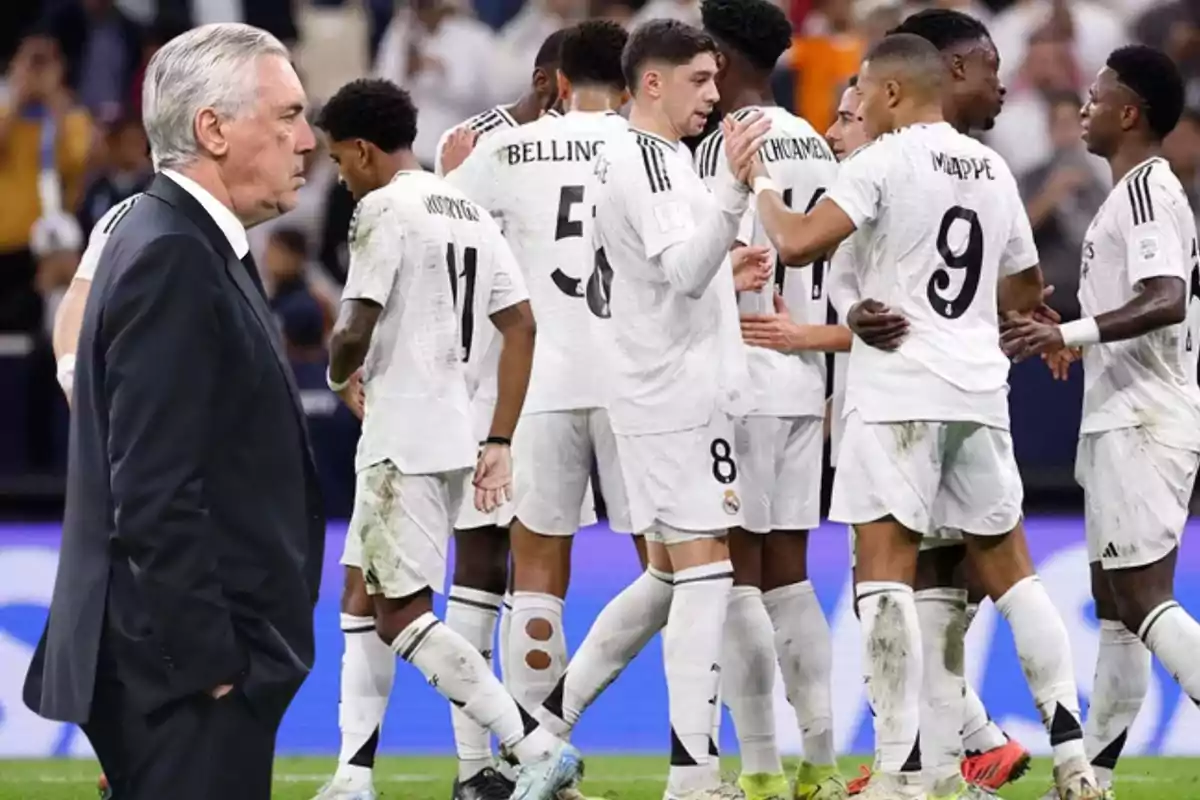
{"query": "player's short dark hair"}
pixel 1155 79
pixel 550 53
pixel 668 40
pixel 757 29
pixel 918 56
pixel 372 109
pixel 591 54
pixel 291 239
pixel 943 27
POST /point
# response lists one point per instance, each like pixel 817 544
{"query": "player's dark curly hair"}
pixel 374 110
pixel 1155 79
pixel 549 53
pixel 591 54
pixel 943 27
pixel 757 29
pixel 667 40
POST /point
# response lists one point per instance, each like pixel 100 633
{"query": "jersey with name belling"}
pixel 942 223
pixel 538 181
pixel 1145 229
pixel 799 160
pixel 439 266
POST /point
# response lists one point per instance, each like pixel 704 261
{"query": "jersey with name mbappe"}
pixel 942 223
pixel 674 356
pixel 537 180
pixel 438 265
pixel 1145 229
pixel 799 160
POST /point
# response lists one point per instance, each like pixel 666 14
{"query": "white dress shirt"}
pixel 233 229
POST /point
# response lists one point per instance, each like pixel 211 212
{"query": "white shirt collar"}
pixel 233 229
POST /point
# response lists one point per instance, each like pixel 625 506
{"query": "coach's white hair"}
pixel 208 67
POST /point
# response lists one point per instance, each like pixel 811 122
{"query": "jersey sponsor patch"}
pixel 671 216
pixel 1148 248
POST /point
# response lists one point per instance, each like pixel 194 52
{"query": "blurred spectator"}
pixel 163 31
pixel 57 245
pixel 1062 195
pixel 524 34
pixel 126 170
pixel 1092 30
pixel 1182 149
pixel 683 10
pixel 287 269
pixel 103 50
pixel 445 59
pixel 44 146
pixel 618 11
pixel 1175 28
pixel 824 56
pixel 1022 132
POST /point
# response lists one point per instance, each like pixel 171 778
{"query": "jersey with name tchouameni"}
pixel 941 223
pixel 438 265
pixel 537 180
pixel 801 163
pixel 1145 229
pixel 669 350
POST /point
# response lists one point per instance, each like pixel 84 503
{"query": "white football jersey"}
pixel 485 124
pixel 99 237
pixel 537 180
pixel 942 223
pixel 1145 229
pixel 440 268
pixel 799 160
pixel 675 357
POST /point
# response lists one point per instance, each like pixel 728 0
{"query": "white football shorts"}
pixel 682 481
pixel 400 528
pixel 1136 492
pixel 781 460
pixel 553 494
pixel 928 476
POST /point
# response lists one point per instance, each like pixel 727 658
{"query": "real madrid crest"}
pixel 731 503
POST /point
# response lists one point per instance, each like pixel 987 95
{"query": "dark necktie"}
pixel 252 268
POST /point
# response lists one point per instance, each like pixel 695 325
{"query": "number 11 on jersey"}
pixel 466 309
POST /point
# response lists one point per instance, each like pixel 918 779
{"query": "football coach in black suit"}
pixel 181 624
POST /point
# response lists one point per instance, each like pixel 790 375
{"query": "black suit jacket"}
pixel 194 532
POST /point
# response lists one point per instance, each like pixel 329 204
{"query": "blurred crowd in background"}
pixel 71 142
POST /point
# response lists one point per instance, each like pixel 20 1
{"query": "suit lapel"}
pixel 172 193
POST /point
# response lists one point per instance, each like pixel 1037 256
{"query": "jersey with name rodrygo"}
pixel 941 223
pixel 1145 229
pixel 673 355
pixel 537 180
pixel 799 160
pixel 99 237
pixel 439 266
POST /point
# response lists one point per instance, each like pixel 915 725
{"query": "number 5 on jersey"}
pixel 599 285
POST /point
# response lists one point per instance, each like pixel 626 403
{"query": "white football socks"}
pixel 942 613
pixel 539 654
pixel 1122 679
pixel 805 651
pixel 368 670
pixel 472 614
pixel 748 680
pixel 457 670
pixel 980 734
pixel 1045 653
pixel 892 660
pixel 505 629
pixel 618 634
pixel 1174 636
pixel 692 653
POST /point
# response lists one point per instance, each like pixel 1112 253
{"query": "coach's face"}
pixel 263 162
pixel 691 94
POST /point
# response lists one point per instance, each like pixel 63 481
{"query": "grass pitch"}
pixel 616 777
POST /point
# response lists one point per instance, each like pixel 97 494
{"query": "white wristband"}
pixel 335 387
pixel 764 184
pixel 1080 332
pixel 66 372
